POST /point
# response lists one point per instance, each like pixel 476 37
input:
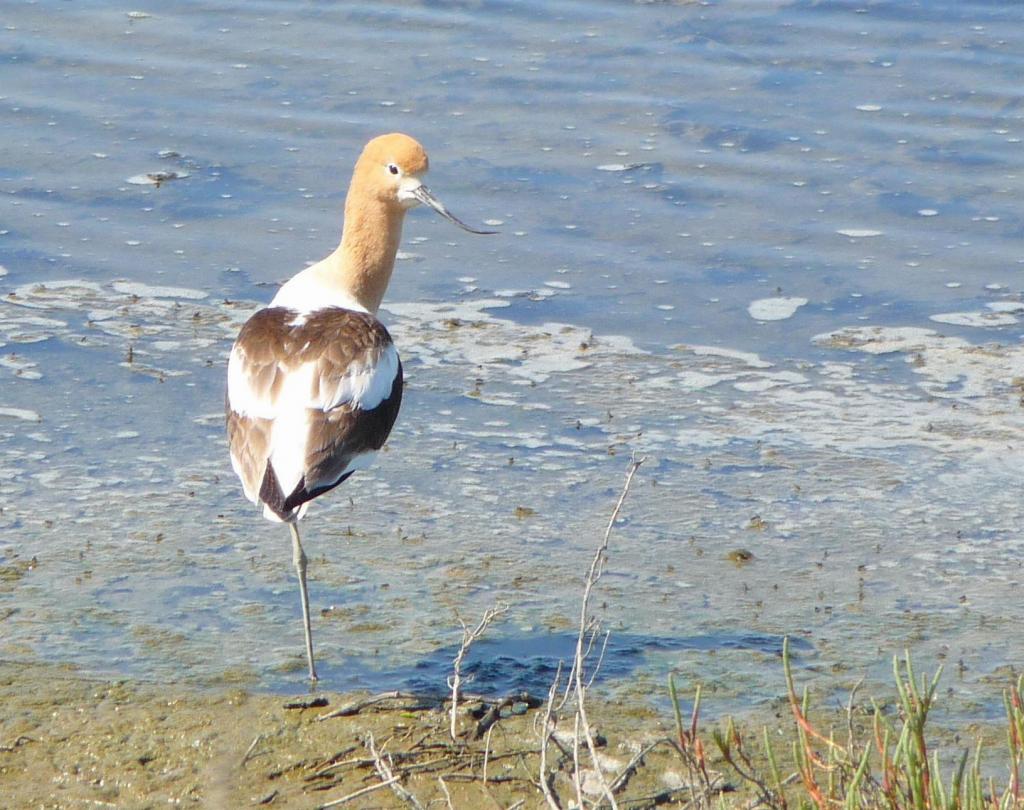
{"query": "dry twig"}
pixel 358 793
pixel 493 713
pixel 354 708
pixel 468 637
pixel 314 702
pixel 487 752
pixel 18 741
pixel 587 627
pixel 545 785
pixel 382 763
pixel 447 795
pixel 249 750
pixel 577 683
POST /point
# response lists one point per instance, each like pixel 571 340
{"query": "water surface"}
pixel 774 247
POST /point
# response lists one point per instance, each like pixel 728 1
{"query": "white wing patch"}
pixel 244 399
pixel 365 384
pixel 290 432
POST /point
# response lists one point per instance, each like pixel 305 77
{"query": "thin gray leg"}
pixel 299 559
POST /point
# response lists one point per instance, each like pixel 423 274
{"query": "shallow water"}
pixel 775 247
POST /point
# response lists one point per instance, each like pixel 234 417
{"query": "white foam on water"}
pixel 995 318
pixel 775 309
pixel 748 358
pixel 21 413
pixel 1006 306
pixel 859 233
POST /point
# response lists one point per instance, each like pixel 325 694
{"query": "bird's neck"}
pixel 365 259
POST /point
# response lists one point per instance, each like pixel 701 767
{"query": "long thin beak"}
pixel 422 193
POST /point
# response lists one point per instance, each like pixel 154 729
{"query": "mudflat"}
pixel 71 741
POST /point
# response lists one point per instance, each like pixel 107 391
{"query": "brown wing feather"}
pixel 259 346
pixel 249 444
pixel 274 343
pixel 337 436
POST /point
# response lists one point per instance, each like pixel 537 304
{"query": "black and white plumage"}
pixel 311 398
pixel 314 380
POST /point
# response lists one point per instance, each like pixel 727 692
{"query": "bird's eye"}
pixel 392 168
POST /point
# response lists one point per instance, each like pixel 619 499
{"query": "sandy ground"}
pixel 68 741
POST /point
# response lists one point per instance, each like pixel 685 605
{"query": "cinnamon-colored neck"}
pixel 365 258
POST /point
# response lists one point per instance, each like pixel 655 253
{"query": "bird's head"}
pixel 391 170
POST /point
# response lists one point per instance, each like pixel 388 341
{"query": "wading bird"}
pixel 314 380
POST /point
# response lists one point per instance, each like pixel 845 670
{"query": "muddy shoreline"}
pixel 69 741
pixel 72 740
